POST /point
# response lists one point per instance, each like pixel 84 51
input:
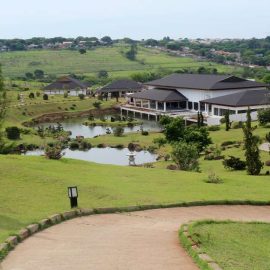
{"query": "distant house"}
pixel 186 94
pixel 67 84
pixel 120 88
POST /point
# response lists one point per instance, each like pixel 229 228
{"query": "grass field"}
pixel 59 62
pixel 235 245
pixel 34 187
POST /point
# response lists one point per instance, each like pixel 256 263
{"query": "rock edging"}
pixel 203 260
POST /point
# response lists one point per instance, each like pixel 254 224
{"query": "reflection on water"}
pixel 78 129
pixel 104 155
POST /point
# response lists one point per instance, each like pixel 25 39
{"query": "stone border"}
pixel 12 241
pixel 201 258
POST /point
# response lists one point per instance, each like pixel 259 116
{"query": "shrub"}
pixel 97 104
pixel 267 137
pixel 65 94
pixel 186 156
pixel 112 119
pixel 119 146
pixel 160 141
pixel 131 147
pixel 38 94
pixel 53 152
pixel 74 145
pixel 234 163
pixel 144 133
pixel 236 125
pixel 222 120
pixel 31 95
pixel 267 163
pixel 84 145
pixel 227 143
pixel 213 179
pixel 213 128
pixel 118 131
pixel 152 148
pixel 81 96
pixel 264 116
pixel 91 117
pixel 13 133
pixel 45 97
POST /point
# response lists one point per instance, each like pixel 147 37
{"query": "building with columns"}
pixel 186 94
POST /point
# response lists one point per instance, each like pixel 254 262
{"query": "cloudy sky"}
pixel 135 18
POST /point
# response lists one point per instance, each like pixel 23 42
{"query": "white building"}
pixel 187 94
pixel 66 84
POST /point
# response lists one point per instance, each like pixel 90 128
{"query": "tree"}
pixel 252 153
pixel 264 116
pixel 118 131
pixel 186 156
pixel 13 133
pixel 39 74
pixel 131 54
pixel 103 74
pixel 31 95
pixel 82 51
pixel 227 120
pixel 29 76
pixel 107 40
pixel 2 109
pixel 45 97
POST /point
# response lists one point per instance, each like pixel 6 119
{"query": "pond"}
pixel 78 129
pixel 106 155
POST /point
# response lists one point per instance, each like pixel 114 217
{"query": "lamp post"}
pixel 73 195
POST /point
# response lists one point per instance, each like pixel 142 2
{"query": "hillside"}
pixel 58 62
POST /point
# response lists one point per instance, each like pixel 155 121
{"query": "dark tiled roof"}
pixel 243 98
pixel 204 82
pixel 66 83
pixel 161 95
pixel 121 85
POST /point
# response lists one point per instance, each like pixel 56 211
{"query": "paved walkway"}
pixel 146 240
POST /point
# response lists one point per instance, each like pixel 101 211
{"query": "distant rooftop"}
pixel 204 82
pixel 242 99
pixel 162 95
pixel 121 85
pixel 66 83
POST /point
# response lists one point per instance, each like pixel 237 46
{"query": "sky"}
pixel 138 19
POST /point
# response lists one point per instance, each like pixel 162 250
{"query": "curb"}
pixel 12 241
pixel 202 259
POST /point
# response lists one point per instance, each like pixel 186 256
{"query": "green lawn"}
pixel 34 187
pixel 235 245
pixel 59 62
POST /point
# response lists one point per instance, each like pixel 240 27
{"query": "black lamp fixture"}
pixel 73 196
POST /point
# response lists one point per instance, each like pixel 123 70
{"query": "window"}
pixel 216 111
pixel 202 107
pixel 196 106
pixel 190 105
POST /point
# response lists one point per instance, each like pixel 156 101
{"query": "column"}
pixel 165 107
pixel 156 105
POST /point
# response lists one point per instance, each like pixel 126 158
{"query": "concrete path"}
pixel 265 147
pixel 146 240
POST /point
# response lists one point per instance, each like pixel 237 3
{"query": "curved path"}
pixel 146 240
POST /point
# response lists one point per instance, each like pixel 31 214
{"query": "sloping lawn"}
pixel 34 187
pixel 235 245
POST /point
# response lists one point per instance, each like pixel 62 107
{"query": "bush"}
pixel 65 94
pixel 131 147
pixel 264 116
pixel 118 131
pixel 81 96
pixel 160 141
pixel 84 145
pixel 186 156
pixel 97 104
pixel 222 121
pixel 31 95
pixel 144 133
pixel 234 163
pixel 45 97
pixel 53 152
pixel 236 125
pixel 13 133
pixel 213 128
pixel 227 143
pixel 74 145
pixel 213 179
pixel 38 94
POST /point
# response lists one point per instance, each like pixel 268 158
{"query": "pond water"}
pixel 78 129
pixel 104 155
